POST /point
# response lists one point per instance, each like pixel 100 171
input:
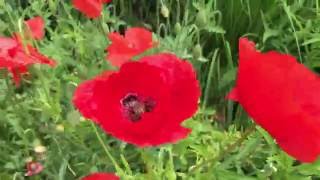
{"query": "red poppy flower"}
pixel 123 48
pixel 145 102
pixel 16 57
pixel 33 168
pixel 281 95
pixel 101 176
pixel 91 8
pixel 35 27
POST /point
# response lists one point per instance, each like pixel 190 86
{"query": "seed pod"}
pixel 201 19
pixel 197 51
pixel 177 28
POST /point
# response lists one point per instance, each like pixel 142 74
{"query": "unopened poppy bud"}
pixel 40 152
pixel 177 28
pixel 201 19
pixel 40 149
pixel 165 11
pixel 197 51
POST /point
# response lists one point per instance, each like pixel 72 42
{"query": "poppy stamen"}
pixel 134 106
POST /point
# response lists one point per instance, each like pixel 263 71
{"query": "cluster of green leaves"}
pixel 223 145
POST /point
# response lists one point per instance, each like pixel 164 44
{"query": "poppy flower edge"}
pixel 268 87
pixel 101 176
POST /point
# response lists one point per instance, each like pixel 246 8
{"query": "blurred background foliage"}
pixel 223 145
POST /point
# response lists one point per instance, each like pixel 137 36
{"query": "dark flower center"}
pixel 134 106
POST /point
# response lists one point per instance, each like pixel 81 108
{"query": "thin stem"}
pixel 229 149
pixel 209 79
pixel 106 150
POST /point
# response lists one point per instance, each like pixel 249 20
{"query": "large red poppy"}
pixel 91 8
pixel 281 95
pixel 101 176
pixel 145 102
pixel 123 48
pixel 17 55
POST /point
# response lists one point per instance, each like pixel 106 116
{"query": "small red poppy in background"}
pixel 91 8
pixel 145 102
pixel 123 48
pixel 35 27
pixel 33 168
pixel 17 55
pixel 282 96
pixel 101 176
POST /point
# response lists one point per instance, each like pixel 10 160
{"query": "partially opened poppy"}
pixel 33 168
pixel 17 55
pixel 101 176
pixel 281 95
pixel 91 8
pixel 35 27
pixel 145 102
pixel 135 41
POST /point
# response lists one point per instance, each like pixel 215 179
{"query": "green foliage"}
pixel 205 32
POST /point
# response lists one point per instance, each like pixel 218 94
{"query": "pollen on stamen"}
pixel 134 106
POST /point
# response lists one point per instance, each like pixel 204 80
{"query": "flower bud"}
pixel 177 28
pixel 165 11
pixel 197 51
pixel 201 19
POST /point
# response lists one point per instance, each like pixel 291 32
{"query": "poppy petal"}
pixel 101 176
pixel 183 80
pixel 85 95
pixel 36 27
pixel 91 8
pixel 280 95
pixel 123 48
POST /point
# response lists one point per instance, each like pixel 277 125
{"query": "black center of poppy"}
pixel 134 106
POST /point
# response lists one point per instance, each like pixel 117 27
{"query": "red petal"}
pixel 34 168
pixel 87 94
pixel 280 95
pixel 101 176
pixel 16 57
pixel 7 43
pixel 119 52
pixel 91 8
pixel 139 38
pixel 122 49
pixel 40 58
pixel 36 27
pixel 183 80
pixel 233 95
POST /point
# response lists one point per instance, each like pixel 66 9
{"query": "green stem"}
pixel 223 153
pixel 209 79
pixel 106 150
